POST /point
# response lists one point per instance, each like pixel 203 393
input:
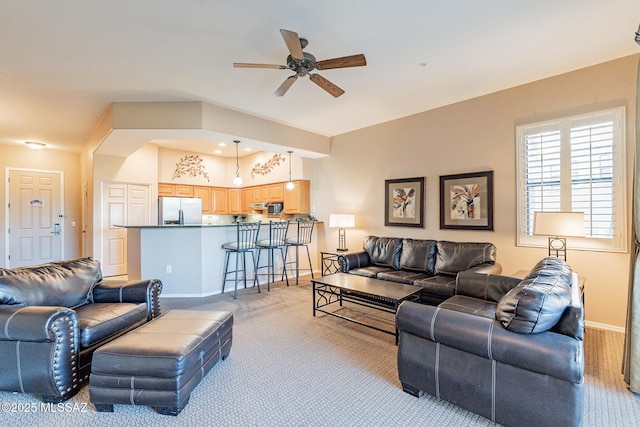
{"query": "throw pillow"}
pixel 536 304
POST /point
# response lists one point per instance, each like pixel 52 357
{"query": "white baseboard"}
pixel 597 325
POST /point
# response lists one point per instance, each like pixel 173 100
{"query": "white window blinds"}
pixel 574 164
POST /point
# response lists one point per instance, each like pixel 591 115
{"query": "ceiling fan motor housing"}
pixel 302 67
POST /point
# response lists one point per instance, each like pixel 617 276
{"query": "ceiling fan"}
pixel 304 63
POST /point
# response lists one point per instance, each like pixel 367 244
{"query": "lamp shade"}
pixel 342 220
pixel 567 224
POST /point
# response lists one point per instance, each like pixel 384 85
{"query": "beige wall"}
pixel 69 163
pixel 472 136
pixel 221 170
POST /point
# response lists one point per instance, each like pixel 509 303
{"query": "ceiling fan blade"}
pixel 284 87
pixel 343 62
pixel 249 65
pixel 326 85
pixel 293 44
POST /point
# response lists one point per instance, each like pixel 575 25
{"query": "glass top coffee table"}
pixel 373 293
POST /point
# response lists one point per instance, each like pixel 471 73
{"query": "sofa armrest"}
pixel 355 260
pixel 135 291
pixel 488 287
pixel 37 323
pixel 486 268
pixel 547 353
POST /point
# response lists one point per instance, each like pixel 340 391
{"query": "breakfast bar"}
pixel 188 259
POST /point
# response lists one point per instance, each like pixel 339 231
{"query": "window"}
pixel 574 164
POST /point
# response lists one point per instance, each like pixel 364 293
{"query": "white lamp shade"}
pixel 567 224
pixel 342 220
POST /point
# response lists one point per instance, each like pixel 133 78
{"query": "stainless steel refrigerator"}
pixel 179 210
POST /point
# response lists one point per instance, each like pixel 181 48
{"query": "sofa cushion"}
pixel 371 271
pixel 101 320
pixel 470 305
pixel 418 255
pixel 402 276
pixel 454 257
pixel 538 302
pixel 552 266
pixel 384 250
pixel 63 283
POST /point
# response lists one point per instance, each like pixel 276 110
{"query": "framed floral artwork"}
pixel 466 201
pixel 404 202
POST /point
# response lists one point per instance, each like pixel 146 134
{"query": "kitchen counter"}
pixel 188 259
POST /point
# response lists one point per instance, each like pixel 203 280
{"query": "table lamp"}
pixel 558 226
pixel 342 221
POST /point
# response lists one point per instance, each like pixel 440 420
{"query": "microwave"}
pixel 274 209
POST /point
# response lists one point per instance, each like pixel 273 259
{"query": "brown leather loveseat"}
pixel 508 349
pixel 53 316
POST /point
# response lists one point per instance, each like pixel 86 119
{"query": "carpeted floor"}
pixel 287 368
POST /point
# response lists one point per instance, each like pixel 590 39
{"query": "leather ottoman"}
pixel 160 363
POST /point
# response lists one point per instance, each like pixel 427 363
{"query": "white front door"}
pixel 35 217
pixel 122 204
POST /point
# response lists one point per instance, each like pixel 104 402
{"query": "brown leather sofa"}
pixel 508 349
pixel 53 316
pixel 430 264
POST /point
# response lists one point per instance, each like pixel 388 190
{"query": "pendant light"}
pixel 290 183
pixel 237 180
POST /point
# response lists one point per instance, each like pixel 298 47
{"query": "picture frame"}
pixel 404 202
pixel 466 201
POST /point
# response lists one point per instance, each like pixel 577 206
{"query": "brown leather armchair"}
pixel 53 316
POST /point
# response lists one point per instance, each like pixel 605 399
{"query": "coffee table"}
pixel 373 293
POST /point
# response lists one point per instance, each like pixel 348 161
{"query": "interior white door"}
pixel 122 204
pixel 35 217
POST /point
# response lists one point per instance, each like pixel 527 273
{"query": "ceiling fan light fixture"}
pixel 237 180
pixel 290 185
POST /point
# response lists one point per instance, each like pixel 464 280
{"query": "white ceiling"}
pixel 62 62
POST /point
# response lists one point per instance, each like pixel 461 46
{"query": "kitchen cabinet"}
pixel 219 200
pixel 276 192
pixel 166 189
pixel 298 200
pixel 184 190
pixel 260 194
pixel 204 193
pixel 247 199
pixel 235 201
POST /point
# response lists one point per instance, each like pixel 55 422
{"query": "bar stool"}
pixel 246 239
pixel 303 238
pixel 277 240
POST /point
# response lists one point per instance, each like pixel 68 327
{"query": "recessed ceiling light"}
pixel 217 152
pixel 247 149
pixel 222 144
pixel 35 145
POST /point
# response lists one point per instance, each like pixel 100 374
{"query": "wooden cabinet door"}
pixel 298 200
pixel 276 192
pixel 235 201
pixel 247 199
pixel 219 196
pixel 204 193
pixel 184 190
pixel 166 189
pixel 264 193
